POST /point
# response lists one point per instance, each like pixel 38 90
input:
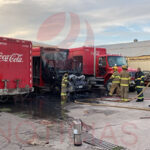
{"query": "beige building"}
pixel 137 53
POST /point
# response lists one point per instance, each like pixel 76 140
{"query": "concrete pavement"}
pixel 124 127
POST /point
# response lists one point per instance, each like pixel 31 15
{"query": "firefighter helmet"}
pixel 125 67
pixel 115 68
pixel 66 75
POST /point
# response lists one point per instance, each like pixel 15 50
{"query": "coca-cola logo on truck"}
pixel 14 58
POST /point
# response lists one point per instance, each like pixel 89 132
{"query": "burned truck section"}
pixel 52 63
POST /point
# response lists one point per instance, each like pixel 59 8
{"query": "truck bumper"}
pixel 18 91
pixel 96 82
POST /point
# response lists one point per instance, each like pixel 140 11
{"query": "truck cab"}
pixel 97 65
pixel 105 65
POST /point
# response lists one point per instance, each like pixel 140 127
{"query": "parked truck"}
pixel 97 65
pixel 16 67
pixel 88 67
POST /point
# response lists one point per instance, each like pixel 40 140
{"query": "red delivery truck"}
pixel 96 64
pixel 15 66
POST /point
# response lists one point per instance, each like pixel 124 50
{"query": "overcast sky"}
pixel 77 22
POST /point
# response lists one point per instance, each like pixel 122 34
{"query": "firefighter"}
pixel 139 81
pixel 124 83
pixel 115 82
pixel 64 86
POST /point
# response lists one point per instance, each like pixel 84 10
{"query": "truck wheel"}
pixel 108 85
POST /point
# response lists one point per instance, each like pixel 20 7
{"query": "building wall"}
pixel 132 49
pixel 143 62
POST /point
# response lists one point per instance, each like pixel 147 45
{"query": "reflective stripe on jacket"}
pixel 116 77
pixel 124 78
pixel 139 79
pixel 64 84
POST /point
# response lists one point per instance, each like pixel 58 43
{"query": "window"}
pixel 102 61
pixel 116 60
pixel 78 63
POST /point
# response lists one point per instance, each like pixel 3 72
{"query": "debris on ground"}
pixel 34 142
pixel 144 117
pixel 46 123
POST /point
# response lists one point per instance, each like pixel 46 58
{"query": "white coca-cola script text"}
pixel 13 58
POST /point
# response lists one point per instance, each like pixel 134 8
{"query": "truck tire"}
pixel 108 85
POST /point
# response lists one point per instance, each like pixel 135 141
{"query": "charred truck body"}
pixel 16 67
pixel 85 60
pixel 50 64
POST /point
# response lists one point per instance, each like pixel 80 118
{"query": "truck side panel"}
pixel 15 63
pixel 88 57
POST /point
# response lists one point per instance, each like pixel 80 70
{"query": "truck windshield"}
pixel 116 60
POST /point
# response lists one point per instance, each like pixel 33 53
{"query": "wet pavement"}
pixel 122 126
pixel 36 123
pixel 42 106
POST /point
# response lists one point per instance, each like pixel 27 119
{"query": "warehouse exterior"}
pixel 137 53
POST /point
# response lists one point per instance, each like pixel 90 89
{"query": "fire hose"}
pixel 144 89
pixel 109 105
pixel 133 98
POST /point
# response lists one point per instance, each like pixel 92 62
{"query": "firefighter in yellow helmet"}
pixel 124 83
pixel 64 87
pixel 115 82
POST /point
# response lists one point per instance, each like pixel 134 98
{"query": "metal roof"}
pixel 132 49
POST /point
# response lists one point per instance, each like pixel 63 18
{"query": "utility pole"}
pixel 94 61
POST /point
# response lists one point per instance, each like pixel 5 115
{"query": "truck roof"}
pixel 3 41
pixel 37 50
pixel 112 55
pixel 85 47
pixel 103 51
